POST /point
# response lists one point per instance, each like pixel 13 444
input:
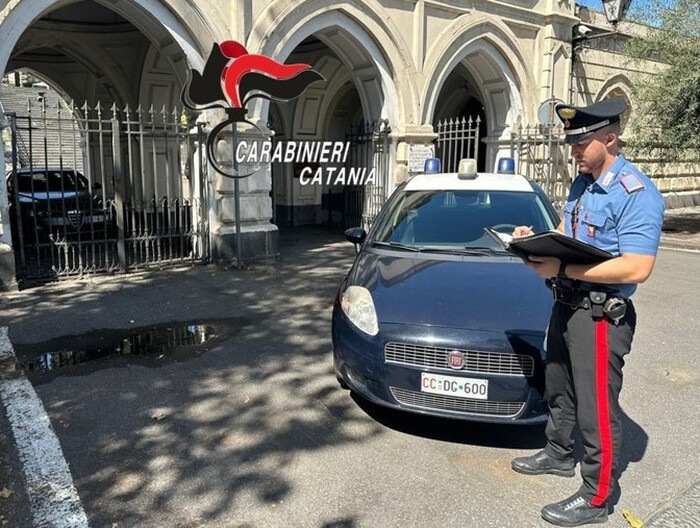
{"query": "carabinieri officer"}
pixel 614 207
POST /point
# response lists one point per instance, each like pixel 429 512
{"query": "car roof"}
pixel 485 181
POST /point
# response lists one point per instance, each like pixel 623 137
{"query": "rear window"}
pixel 52 181
pixel 458 218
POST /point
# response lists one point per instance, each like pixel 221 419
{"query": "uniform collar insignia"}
pixel 608 178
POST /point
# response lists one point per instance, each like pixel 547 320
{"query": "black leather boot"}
pixel 574 511
pixel 541 463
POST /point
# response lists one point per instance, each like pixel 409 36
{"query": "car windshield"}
pixel 52 181
pixel 458 218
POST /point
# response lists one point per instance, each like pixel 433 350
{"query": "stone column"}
pixel 8 279
pixel 410 140
pixel 259 236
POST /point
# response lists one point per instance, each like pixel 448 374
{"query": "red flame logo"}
pixel 244 76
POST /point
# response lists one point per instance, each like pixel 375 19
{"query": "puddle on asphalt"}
pixel 162 343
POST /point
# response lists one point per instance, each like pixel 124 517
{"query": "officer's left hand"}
pixel 544 266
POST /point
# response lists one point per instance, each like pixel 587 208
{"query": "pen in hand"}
pixel 523 231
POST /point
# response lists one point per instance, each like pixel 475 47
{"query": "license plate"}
pixel 453 386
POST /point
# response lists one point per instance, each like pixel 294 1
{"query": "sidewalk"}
pixel 682 228
pixel 682 512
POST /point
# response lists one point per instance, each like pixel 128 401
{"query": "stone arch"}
pixel 282 27
pixel 166 25
pixel 490 45
pixel 618 86
pixel 152 17
pixel 620 83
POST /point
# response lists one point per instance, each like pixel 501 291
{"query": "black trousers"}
pixel 585 357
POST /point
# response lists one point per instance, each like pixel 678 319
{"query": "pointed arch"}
pixel 282 26
pixel 490 51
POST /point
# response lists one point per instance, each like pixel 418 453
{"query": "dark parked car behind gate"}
pixel 58 201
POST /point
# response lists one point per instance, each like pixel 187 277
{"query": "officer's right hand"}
pixel 522 231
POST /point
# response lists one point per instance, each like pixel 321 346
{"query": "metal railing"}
pixel 542 156
pixel 100 191
pixel 458 138
pixel 370 148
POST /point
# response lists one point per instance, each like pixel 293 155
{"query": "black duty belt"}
pixel 600 303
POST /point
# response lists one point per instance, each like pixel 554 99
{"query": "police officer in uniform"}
pixel 614 207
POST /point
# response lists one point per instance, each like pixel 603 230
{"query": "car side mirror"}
pixel 357 236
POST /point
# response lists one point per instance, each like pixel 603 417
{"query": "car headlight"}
pixel 358 306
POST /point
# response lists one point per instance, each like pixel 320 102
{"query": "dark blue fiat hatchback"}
pixel 434 317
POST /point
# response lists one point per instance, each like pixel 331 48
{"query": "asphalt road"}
pixel 251 429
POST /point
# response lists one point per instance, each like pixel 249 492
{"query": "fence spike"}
pixel 152 111
pixel 139 110
pixel 127 112
pixel 478 119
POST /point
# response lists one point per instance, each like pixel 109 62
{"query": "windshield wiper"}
pixel 490 251
pixel 395 245
pixel 465 250
pixel 477 251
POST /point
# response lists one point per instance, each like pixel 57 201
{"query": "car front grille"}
pixel 451 403
pixel 75 218
pixel 480 362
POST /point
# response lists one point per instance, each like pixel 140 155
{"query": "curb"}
pixel 681 512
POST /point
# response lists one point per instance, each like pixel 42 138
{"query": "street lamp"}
pixel 615 10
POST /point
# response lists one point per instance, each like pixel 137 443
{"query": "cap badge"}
pixel 567 113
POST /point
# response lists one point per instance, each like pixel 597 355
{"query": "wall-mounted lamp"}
pixel 615 10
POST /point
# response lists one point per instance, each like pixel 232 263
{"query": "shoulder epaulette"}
pixel 631 182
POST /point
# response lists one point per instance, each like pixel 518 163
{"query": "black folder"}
pixel 550 244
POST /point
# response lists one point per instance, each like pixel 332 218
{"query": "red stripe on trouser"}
pixel 601 383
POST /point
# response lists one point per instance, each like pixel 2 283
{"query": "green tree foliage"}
pixel 668 100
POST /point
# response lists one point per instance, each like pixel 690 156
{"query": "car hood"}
pixel 484 293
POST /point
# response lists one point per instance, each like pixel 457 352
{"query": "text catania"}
pixel 308 152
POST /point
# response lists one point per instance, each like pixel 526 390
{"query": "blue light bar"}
pixel 432 166
pixel 506 166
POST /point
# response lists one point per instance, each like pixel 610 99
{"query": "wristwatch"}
pixel 562 271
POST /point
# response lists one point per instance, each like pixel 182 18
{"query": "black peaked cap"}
pixel 581 122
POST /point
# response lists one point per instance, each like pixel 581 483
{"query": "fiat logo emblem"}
pixel 455 360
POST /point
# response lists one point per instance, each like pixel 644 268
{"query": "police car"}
pixel 434 317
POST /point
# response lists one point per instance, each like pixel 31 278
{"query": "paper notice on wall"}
pixel 417 154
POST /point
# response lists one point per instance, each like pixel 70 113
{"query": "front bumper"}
pixel 360 360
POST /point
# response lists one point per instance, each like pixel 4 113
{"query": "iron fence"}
pixel 370 148
pixel 542 156
pixel 100 191
pixel 458 138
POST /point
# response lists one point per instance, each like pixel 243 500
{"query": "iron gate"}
pixel 458 138
pixel 95 191
pixel 542 156
pixel 370 148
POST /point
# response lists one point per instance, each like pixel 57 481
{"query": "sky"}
pixel 637 7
